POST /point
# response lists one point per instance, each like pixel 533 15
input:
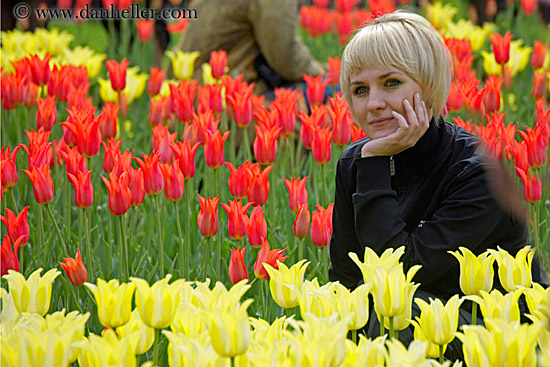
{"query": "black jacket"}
pixel 437 200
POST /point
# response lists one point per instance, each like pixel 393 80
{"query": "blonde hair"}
pixel 405 41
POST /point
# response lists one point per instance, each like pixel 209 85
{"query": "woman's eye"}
pixel 392 82
pixel 360 90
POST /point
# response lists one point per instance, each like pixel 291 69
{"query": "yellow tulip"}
pixel 465 29
pixel 490 64
pixel 474 354
pixel 9 316
pixel 432 350
pixel 371 352
pixel 85 56
pixel 108 350
pixel 188 320
pixel 207 77
pixel 544 347
pixel 31 295
pixel 388 260
pixel 183 63
pixel 106 92
pixel 230 330
pixel 519 56
pixel 440 15
pixel 390 290
pixel 264 335
pixel 165 87
pixel 514 272
pixel 286 284
pixel 476 272
pixel 157 304
pixel 319 301
pixel 439 322
pixel 53 41
pixel 415 355
pixel 403 320
pixel 114 301
pixel 354 303
pixel 135 83
pixel 495 305
pixel 219 297
pixel 189 351
pixel 18 44
pixel 538 301
pixel 136 326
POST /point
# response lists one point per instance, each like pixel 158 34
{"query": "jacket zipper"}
pixel 392 166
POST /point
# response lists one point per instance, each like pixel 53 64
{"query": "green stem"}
pixel 246 144
pixel 67 208
pixel 474 312
pixel 382 328
pixel 63 243
pixel 184 257
pixel 80 225
pixel 262 300
pixel 325 191
pixel 300 249
pixel 324 262
pixel 123 273
pixel 232 359
pixel 354 336
pixel 206 256
pixel 14 202
pixel 391 328
pixel 187 217
pixel 441 354
pixel 88 244
pixel 219 247
pixel 288 312
pixel 159 232
pixel 156 348
pixel 40 235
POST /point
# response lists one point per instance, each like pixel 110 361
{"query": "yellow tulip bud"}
pixel 439 322
pixel 157 304
pixel 476 273
pixel 319 301
pixel 403 320
pixel 390 290
pixel 432 349
pixel 495 305
pixel 371 352
pixel 388 260
pixel 415 355
pixel 114 301
pixel 85 56
pixel 514 272
pixel 188 320
pixel 219 297
pixel 31 295
pixel 109 350
pixel 471 336
pixel 544 347
pixel 135 83
pixel 490 64
pixel 106 91
pixel 183 63
pixel 538 301
pixel 190 351
pixel 136 326
pixel 440 15
pixel 286 284
pixel 354 303
pixel 230 330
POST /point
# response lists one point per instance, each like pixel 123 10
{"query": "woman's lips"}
pixel 381 123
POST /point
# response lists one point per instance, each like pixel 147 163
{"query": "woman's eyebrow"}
pixel 383 76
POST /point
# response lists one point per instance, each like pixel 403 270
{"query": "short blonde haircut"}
pixel 405 41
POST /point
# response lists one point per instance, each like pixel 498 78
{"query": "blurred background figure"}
pixel 260 36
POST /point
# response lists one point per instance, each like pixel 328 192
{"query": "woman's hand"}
pixel 410 130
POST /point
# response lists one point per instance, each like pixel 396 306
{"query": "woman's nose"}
pixel 375 101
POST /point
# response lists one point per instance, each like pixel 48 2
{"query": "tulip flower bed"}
pixel 125 170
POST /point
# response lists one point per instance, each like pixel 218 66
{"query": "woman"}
pixel 418 181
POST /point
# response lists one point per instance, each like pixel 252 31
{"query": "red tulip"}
pixel 213 148
pixel 137 192
pixel 151 173
pixel 537 144
pixel 117 73
pixel 83 189
pixel 501 47
pixel 108 120
pixel 267 256
pixel 321 145
pixel 75 269
pixel 39 69
pixel 155 81
pixel 162 138
pixel 256 227
pixel 310 123
pixel 344 27
pixel 532 185
pixel 236 214
pixel 123 163
pixel 242 107
pixel 333 73
pixel 321 226
pixel 214 97
pixel 16 225
pixel 185 154
pixel 42 183
pixel 315 91
pixel 208 216
pixel 9 170
pixel 528 6
pixel 357 133
pixel 520 156
pixel 237 268
pixel 111 149
pixel 39 150
pixel 454 101
pixel 119 193
pixel 538 55
pixel 239 179
pixel 341 121
pixel 259 188
pixel 297 192
pixel 218 62
pixel 205 121
pixel 12 90
pixel 156 111
pixel 540 84
pixel 8 256
pixel 267 117
pixel 491 97
pixel 302 221
pixel 145 28
pixel 173 181
pixel 85 127
pixel 285 106
pixel 265 144
pixel 183 97
pixel 46 113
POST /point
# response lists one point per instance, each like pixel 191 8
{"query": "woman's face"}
pixel 375 93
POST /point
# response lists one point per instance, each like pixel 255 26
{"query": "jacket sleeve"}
pixel 468 216
pixel 275 24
